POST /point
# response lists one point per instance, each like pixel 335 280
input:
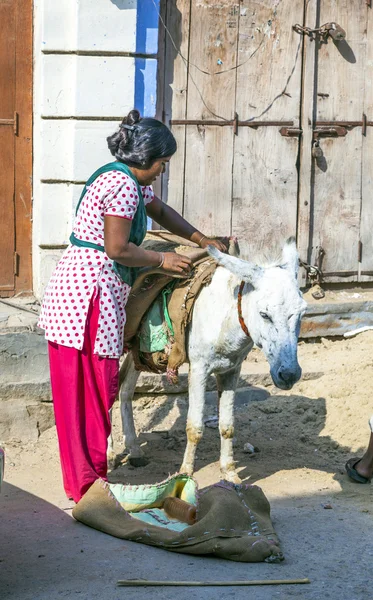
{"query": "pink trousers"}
pixel 84 387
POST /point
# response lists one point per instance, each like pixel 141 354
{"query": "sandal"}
pixel 352 472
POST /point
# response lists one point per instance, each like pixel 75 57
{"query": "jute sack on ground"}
pixel 233 521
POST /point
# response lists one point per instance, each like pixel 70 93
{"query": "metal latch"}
pixel 335 31
pixel 329 131
pixel 321 131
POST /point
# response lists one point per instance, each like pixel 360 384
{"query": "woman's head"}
pixel 139 143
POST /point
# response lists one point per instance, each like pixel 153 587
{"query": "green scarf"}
pixel 138 226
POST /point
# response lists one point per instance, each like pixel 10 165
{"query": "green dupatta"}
pixel 138 226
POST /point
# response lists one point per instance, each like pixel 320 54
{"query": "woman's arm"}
pixel 119 248
pixel 168 218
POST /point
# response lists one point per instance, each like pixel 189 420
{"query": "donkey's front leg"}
pixel 129 375
pixel 227 383
pixel 195 426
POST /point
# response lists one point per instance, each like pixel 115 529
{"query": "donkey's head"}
pixel 272 308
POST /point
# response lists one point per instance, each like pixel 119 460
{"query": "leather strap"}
pixel 239 309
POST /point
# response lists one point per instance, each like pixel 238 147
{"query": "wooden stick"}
pixel 144 582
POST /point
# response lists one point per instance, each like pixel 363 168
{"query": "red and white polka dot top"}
pixel 81 271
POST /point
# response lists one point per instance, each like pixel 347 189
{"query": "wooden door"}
pixel 229 87
pixel 247 98
pixel 268 92
pixel 339 197
pixel 15 146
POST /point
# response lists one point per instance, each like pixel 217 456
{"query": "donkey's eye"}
pixel 265 316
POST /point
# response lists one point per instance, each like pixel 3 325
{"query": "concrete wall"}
pixel 94 61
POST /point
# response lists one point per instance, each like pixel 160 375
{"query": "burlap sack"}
pixel 233 521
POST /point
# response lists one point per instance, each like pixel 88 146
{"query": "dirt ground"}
pixel 303 438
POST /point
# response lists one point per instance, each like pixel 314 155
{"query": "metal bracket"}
pixel 13 122
pixel 290 132
pixel 16 263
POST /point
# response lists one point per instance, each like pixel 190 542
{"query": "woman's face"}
pixel 148 176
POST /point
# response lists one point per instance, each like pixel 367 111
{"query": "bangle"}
pixel 202 238
pixel 162 260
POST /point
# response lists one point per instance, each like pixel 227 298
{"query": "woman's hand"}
pixel 177 264
pixel 219 243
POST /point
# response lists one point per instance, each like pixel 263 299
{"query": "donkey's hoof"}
pixel 186 470
pixel 231 476
pixel 112 462
pixel 138 461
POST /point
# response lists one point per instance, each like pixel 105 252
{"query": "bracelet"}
pixel 202 238
pixel 162 260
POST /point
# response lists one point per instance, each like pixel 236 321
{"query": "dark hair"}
pixel 139 142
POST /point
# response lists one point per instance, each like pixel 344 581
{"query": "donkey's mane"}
pixel 265 260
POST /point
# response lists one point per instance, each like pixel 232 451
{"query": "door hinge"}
pixel 364 124
pixel 360 252
pixel 16 123
pixel 16 264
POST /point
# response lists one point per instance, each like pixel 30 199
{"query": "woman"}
pixel 83 311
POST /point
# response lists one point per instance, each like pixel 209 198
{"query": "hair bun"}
pixel 133 117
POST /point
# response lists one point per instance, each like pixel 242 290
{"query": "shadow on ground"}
pixel 285 429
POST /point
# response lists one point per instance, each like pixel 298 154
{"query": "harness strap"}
pixel 239 310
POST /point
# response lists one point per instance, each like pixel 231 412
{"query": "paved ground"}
pixel 46 555
pixel 304 436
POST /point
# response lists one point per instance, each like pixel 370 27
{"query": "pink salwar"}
pixel 84 387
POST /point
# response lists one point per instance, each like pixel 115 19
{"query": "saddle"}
pixel 170 298
pixel 176 306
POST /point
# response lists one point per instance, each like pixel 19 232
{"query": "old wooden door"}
pixel 247 97
pixel 15 146
pixel 235 83
pixel 336 210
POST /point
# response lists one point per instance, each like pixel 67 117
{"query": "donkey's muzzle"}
pixel 286 377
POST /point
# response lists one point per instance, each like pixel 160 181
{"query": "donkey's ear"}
pixel 290 257
pixel 244 270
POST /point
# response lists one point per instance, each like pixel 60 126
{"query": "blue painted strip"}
pixel 147 27
pixel 146 69
pixel 146 86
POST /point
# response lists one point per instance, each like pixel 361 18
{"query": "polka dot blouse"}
pixel 82 271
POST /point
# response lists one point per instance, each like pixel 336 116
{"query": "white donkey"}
pixel 271 307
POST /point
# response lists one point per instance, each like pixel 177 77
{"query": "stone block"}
pixel 59 76
pixel 57 150
pixel 90 147
pixel 111 26
pixel 108 25
pixel 56 205
pixel 24 420
pixel 104 86
pixel 23 358
pixel 73 150
pixel 97 86
pixel 47 261
pixel 59 25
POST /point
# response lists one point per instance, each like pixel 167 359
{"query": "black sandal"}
pixel 352 472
